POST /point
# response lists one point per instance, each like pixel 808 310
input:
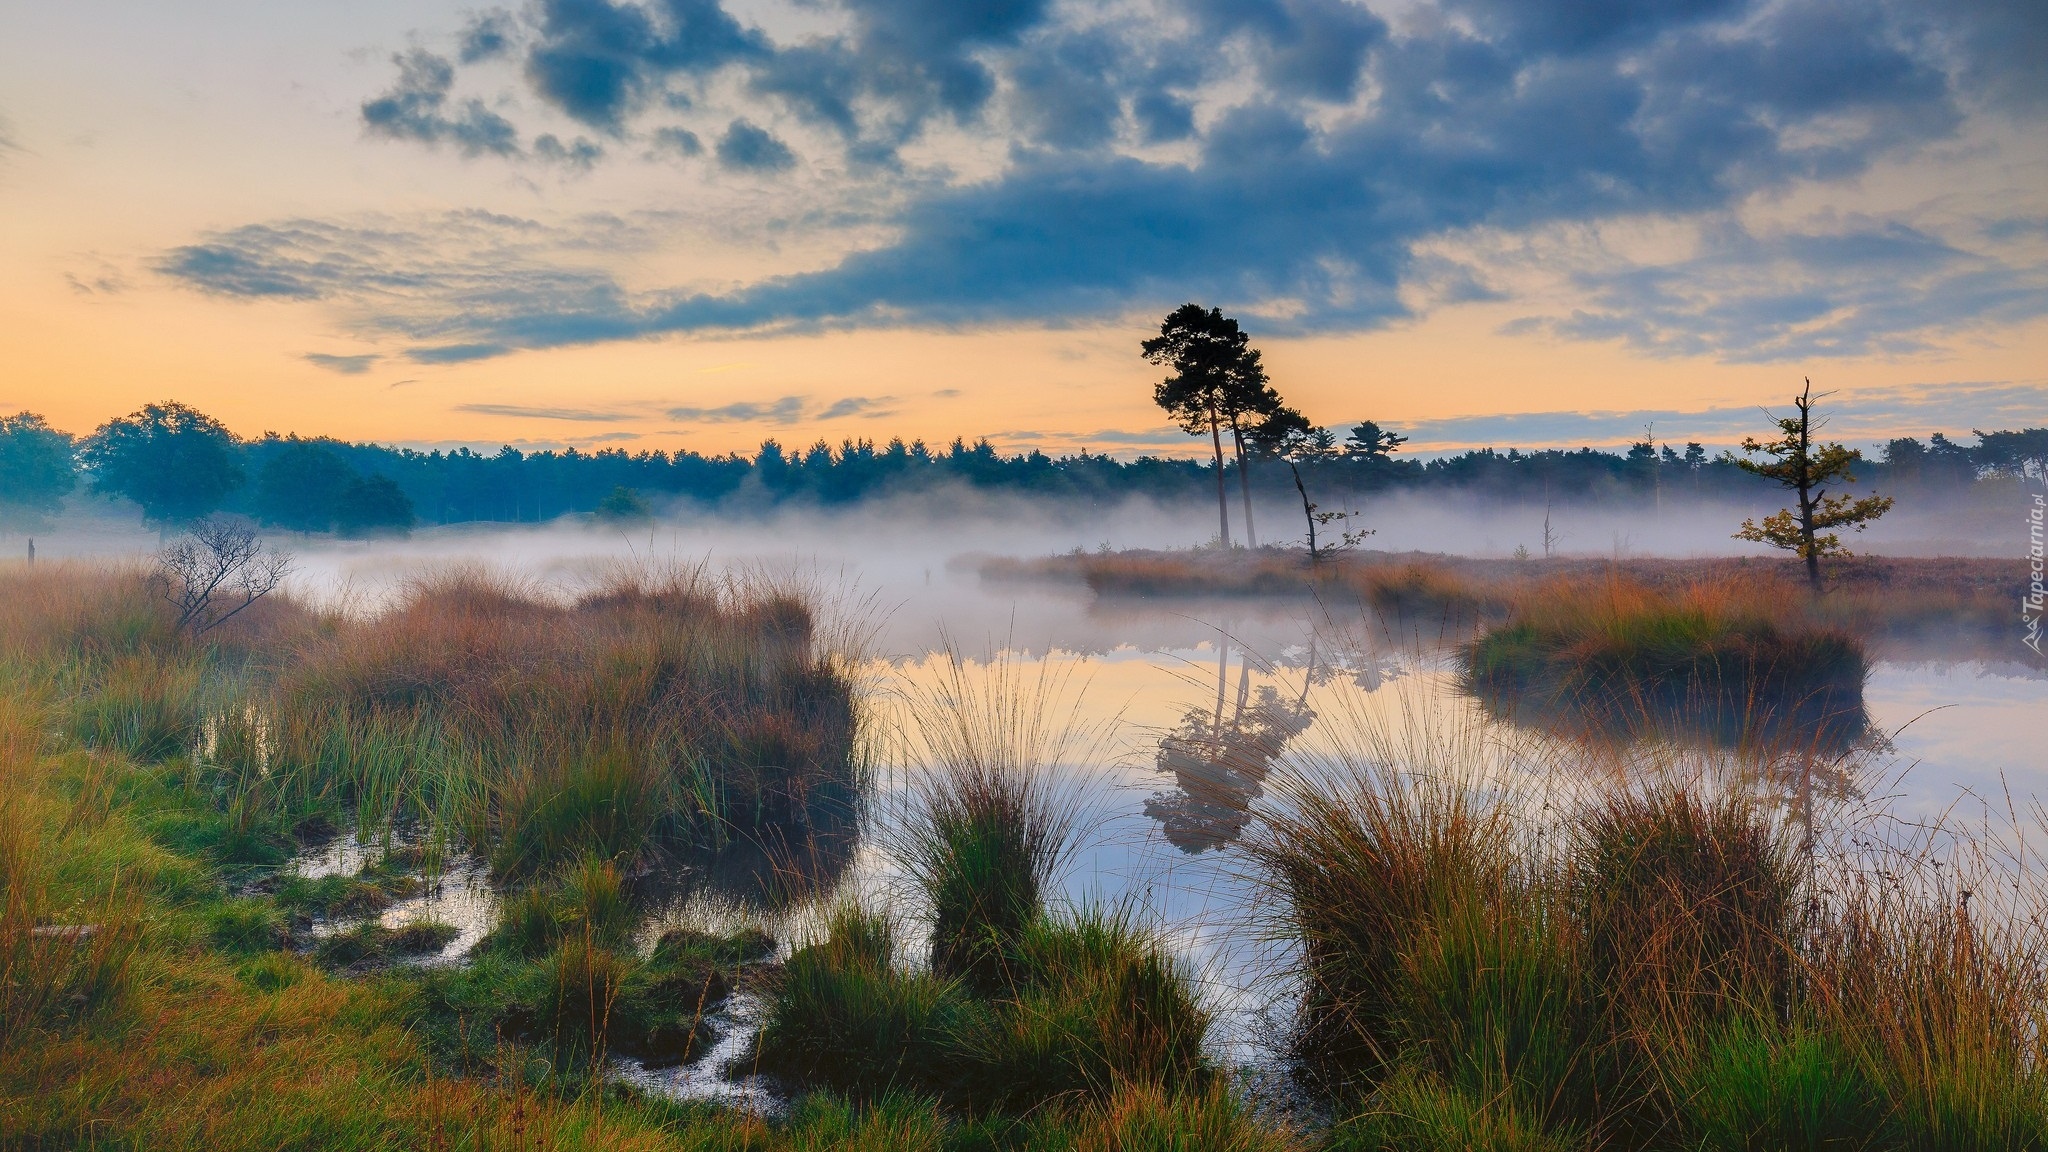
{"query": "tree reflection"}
pixel 1220 757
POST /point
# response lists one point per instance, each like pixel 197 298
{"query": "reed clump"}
pixel 653 712
pixel 1660 972
pixel 1016 1004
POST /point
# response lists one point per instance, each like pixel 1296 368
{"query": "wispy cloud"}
pixel 346 365
pixel 587 414
pixel 869 406
pixel 787 410
pixel 1853 415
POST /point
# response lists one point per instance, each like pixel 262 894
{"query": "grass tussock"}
pixel 1663 971
pixel 1019 1004
pixel 653 711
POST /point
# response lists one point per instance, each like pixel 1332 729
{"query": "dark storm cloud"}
pixel 417 108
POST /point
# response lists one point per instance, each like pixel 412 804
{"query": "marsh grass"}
pixel 183 1020
pixel 989 817
pixel 1733 663
pixel 1870 596
pixel 1017 1003
pixel 1655 963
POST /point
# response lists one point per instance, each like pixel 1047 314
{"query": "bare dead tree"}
pixel 1317 518
pixel 218 568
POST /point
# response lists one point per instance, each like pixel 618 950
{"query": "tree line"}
pixel 177 464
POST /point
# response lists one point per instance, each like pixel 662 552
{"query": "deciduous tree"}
pixel 177 462
pixel 302 487
pixel 36 466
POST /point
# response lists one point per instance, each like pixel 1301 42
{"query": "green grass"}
pixel 1091 1006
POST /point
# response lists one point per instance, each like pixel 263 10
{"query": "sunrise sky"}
pixel 699 223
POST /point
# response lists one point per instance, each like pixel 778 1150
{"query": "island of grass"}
pixel 1728 661
pixel 1871 596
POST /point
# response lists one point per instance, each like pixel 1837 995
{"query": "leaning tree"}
pixel 1806 468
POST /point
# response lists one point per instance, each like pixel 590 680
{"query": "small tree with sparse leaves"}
pixel 1806 468
pixel 217 569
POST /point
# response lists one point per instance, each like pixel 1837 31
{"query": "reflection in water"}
pixel 1221 761
pixel 1826 724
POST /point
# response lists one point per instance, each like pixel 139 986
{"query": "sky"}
pixel 702 223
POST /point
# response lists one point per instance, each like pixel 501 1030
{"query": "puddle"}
pixel 715 1079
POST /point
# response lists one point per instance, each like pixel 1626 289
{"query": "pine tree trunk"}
pixel 1222 496
pixel 1244 487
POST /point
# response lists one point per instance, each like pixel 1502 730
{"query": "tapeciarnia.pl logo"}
pixel 2032 604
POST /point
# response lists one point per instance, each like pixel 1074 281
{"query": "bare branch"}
pixel 217 569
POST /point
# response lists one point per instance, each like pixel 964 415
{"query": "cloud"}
pixel 581 153
pixel 1314 48
pixel 455 353
pixel 598 61
pixel 787 410
pixel 1315 158
pixel 745 147
pixel 449 281
pixel 584 414
pixel 1853 415
pixel 346 365
pixel 417 108
pixel 490 35
pixel 678 141
pixel 1862 287
pixel 870 407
